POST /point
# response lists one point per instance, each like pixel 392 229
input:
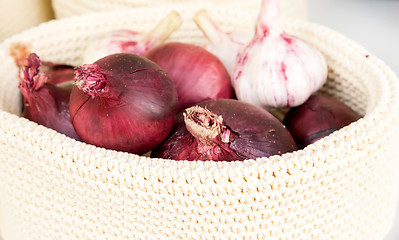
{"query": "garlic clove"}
pixel 277 69
pixel 223 45
pixel 129 41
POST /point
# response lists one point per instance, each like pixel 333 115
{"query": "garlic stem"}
pixel 163 29
pixel 216 37
pixel 268 17
pixel 222 44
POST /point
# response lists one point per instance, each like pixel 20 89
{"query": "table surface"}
pixel 374 24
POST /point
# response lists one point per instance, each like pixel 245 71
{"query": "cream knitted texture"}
pixel 62 8
pixel 18 15
pixel 342 187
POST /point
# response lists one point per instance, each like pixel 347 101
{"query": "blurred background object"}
pixel 66 8
pixel 18 15
pixel 374 24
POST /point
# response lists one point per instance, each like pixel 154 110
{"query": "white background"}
pixel 374 24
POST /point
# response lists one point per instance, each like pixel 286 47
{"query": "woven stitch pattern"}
pixel 342 187
pixel 62 9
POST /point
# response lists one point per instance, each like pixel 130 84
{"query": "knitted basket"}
pixel 67 8
pixel 18 15
pixel 345 186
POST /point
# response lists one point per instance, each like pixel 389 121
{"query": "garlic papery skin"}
pixel 129 41
pixel 221 44
pixel 277 69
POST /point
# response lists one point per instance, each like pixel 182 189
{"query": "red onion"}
pixel 225 130
pixel 123 102
pixel 44 103
pixel 319 116
pixel 198 74
pixel 129 41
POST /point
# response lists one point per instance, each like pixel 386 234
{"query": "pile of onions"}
pixel 178 100
pixel 45 102
pixel 123 102
pixel 197 74
pixel 318 117
pixel 225 130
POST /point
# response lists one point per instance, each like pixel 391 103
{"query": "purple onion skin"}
pixel 252 133
pixel 45 103
pixel 58 73
pixel 198 74
pixel 128 103
pixel 318 117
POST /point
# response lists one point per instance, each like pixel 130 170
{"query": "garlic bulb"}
pixel 277 69
pixel 223 45
pixel 128 41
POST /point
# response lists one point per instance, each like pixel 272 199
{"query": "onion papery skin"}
pixel 128 103
pixel 45 103
pixel 198 74
pixel 318 117
pixel 55 72
pixel 248 132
